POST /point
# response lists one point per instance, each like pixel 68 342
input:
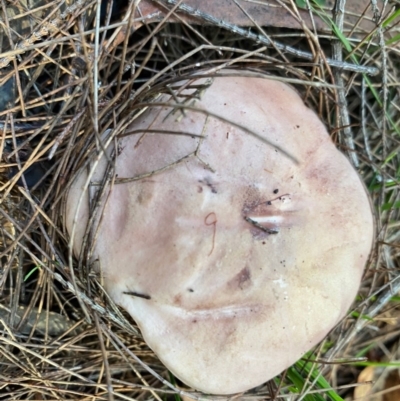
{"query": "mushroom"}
pixel 233 258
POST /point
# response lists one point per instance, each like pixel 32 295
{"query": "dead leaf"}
pixel 365 390
pixel 392 387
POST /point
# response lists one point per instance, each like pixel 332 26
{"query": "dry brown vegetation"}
pixel 68 76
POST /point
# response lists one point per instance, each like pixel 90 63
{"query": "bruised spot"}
pixel 242 280
pixel 267 215
pixel 178 299
pixel 144 193
pixel 207 181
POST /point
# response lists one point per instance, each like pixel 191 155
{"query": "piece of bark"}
pixel 54 323
pixel 269 13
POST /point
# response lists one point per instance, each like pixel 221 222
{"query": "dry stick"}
pixel 309 385
pixel 343 114
pixel 187 25
pixel 365 135
pixel 43 358
pixel 225 120
pixel 388 290
pixel 97 208
pixel 105 360
pixel 60 137
pixel 16 75
pixel 262 31
pixel 44 31
pixel 150 52
pixel 36 154
pixel 17 158
pixel 383 250
pixel 101 153
pixel 40 211
pixel 264 40
pixel 116 340
pixel 131 13
pixel 23 47
pixel 145 385
pixel 33 78
pixel 95 115
pixel 121 321
pixel 311 16
pixel 382 46
pixel 317 71
pixel 93 305
pixel 24 367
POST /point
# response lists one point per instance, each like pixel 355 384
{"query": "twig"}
pixel 342 65
pixel 44 31
pixel 64 132
pixel 105 360
pixel 343 119
pixel 225 120
pixel 116 340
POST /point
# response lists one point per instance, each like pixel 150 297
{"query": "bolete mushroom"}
pixel 233 259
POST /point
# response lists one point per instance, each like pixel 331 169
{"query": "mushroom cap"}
pixel 236 260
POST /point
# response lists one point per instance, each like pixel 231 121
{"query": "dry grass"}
pixel 61 337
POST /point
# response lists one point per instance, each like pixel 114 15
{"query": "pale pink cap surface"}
pixel 231 305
